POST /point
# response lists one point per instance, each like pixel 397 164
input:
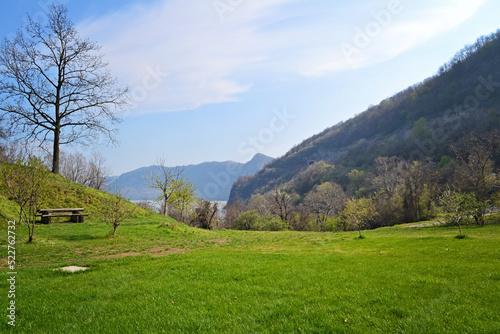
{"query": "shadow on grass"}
pixel 80 237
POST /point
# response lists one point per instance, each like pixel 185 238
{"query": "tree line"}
pixel 391 191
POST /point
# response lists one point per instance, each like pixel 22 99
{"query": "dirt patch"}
pixel 158 251
pixel 434 223
pixel 4 262
pixel 168 252
pixel 219 241
pixel 119 255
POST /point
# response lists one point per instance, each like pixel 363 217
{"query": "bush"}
pixel 252 221
pixel 248 221
pixel 331 224
pixel 274 224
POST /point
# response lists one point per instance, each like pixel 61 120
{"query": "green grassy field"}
pixel 156 275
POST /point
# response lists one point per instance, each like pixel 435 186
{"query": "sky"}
pixel 218 80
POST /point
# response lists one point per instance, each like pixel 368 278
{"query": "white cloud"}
pixel 380 39
pixel 212 60
pixel 186 40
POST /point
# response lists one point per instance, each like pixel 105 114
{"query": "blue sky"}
pixel 216 80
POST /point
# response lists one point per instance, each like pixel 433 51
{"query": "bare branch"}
pixel 51 80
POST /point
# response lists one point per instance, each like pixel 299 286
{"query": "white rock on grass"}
pixel 72 269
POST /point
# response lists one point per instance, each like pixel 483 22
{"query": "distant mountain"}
pixel 214 179
pixel 418 123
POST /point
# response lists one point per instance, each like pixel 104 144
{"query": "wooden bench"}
pixel 75 213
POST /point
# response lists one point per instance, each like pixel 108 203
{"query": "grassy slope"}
pixel 66 194
pixel 156 275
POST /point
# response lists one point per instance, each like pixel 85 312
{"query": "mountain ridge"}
pixel 213 178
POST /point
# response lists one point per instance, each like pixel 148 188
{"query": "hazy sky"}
pixel 216 80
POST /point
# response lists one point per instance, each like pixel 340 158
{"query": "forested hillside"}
pixel 417 124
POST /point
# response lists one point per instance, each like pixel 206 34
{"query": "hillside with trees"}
pixel 402 154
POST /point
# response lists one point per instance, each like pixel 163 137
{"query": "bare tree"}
pixel 475 159
pixel 74 167
pixel 325 200
pixel 116 209
pixel 3 137
pixel 389 173
pixel 54 86
pixel 97 172
pixel 165 179
pixel 281 203
pixel 91 173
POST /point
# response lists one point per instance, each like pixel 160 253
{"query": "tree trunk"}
pixel 30 232
pixel 459 227
pixel 165 207
pixel 55 152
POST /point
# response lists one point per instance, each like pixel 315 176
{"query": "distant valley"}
pixel 214 179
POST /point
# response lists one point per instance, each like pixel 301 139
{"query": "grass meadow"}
pixel 157 276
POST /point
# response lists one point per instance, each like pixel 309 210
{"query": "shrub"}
pixel 248 221
pixel 274 224
pixel 331 224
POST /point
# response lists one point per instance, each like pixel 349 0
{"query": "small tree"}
pixel 166 180
pixel 184 195
pixel 26 182
pixel 205 216
pixel 458 207
pixel 116 209
pixel 358 212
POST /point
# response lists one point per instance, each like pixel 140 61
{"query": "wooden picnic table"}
pixel 76 215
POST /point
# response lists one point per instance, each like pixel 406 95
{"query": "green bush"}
pixel 252 221
pixel 274 224
pixel 248 221
pixel 331 224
